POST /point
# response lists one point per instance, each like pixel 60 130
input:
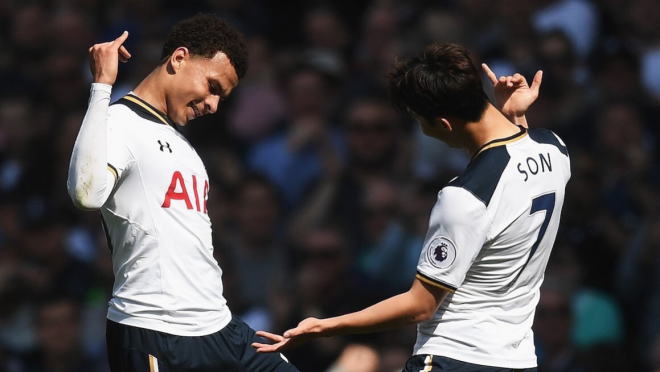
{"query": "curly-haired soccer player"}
pixel 167 311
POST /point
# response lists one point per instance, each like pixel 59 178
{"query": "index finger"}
pixel 266 348
pixel 120 40
pixel 270 336
pixel 491 74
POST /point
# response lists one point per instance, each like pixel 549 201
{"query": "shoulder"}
pixel 119 115
pixel 483 174
pixel 548 137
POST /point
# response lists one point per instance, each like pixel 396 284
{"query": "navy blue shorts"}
pixel 133 349
pixel 419 363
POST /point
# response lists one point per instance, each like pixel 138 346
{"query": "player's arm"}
pixel 513 96
pixel 412 307
pixel 90 180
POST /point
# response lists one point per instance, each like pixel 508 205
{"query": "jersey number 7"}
pixel 545 202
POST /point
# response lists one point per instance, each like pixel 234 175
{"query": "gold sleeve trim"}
pixel 434 283
pixel 114 173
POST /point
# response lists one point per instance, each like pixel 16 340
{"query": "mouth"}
pixel 195 110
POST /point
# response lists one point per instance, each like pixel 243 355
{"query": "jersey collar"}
pixel 151 113
pixel 502 141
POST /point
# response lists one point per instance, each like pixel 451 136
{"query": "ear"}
pixel 179 55
pixel 443 123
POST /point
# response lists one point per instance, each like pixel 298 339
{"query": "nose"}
pixel 211 104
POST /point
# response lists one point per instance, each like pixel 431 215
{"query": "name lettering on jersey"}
pixel 535 167
pixel 164 146
pixel 178 183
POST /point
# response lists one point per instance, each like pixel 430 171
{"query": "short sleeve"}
pixel 120 156
pixel 458 228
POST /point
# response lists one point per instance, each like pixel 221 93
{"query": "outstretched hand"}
pixel 306 330
pixel 513 95
pixel 103 59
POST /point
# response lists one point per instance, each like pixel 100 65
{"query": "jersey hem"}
pixel 162 326
pixel 486 360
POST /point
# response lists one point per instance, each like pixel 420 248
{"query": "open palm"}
pixel 305 331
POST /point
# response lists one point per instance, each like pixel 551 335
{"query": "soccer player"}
pixel 167 311
pixel 490 232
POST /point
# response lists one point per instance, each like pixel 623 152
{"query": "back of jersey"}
pixel 489 240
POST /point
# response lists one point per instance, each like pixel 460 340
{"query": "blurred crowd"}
pixel 320 192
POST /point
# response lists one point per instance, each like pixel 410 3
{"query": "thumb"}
pixel 536 83
pixel 291 333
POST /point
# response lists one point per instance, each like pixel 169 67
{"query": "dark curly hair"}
pixel 205 35
pixel 441 80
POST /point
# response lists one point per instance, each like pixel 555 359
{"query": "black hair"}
pixel 440 81
pixel 204 35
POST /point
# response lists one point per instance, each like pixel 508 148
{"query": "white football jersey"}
pixel 489 240
pixel 158 228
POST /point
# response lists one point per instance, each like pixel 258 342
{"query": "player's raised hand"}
pixel 103 59
pixel 513 96
pixel 306 330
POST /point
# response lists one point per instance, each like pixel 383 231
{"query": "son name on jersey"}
pixel 534 167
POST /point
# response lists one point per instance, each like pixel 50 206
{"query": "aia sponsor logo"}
pixel 183 196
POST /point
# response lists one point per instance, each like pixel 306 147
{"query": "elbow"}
pixel 82 199
pixel 425 315
pixel 424 309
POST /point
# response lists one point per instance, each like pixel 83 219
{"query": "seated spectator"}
pixel 254 252
pixel 552 327
pixel 59 339
pixel 294 159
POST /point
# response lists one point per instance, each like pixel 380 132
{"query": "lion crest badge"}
pixel 441 252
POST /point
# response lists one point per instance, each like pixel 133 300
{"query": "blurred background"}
pixel 320 192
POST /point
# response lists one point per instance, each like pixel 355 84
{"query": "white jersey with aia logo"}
pixel 489 240
pixel 158 228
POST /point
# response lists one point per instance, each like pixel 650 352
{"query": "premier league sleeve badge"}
pixel 441 252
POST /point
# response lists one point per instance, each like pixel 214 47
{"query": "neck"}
pixel 152 91
pixel 492 125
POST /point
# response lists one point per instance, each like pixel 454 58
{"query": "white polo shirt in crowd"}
pixel 158 228
pixel 489 240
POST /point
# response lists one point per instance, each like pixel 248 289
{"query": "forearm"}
pixel 89 183
pixel 395 312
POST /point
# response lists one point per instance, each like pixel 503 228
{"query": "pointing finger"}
pixel 489 73
pixel 536 83
pixel 120 40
